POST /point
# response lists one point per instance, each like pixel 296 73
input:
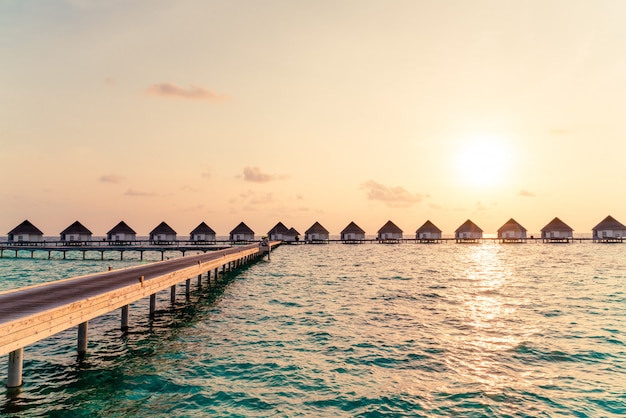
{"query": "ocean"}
pixel 485 330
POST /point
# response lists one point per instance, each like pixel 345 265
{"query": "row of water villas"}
pixel 608 230
pixel 121 233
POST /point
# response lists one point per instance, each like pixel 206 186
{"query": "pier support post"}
pixel 199 281
pixel 152 304
pixel 82 338
pixel 125 310
pixel 173 294
pixel 187 287
pixel 16 361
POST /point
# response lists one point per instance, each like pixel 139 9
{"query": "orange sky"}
pixel 229 111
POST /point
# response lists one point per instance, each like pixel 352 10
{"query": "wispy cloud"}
pixel 112 178
pixel 206 173
pixel 393 196
pixel 132 192
pixel 526 193
pixel 255 175
pixel 191 92
pixel 252 198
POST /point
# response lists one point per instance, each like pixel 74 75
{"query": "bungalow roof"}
pixel 279 228
pixel 512 225
pixel 76 228
pixel 203 228
pixel 163 228
pixel 556 225
pixel 428 227
pixel 468 226
pixel 242 228
pixel 293 231
pixel 609 223
pixel 353 228
pixel 25 228
pixel 390 227
pixel 122 228
pixel 317 228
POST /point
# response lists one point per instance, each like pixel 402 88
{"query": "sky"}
pixel 303 111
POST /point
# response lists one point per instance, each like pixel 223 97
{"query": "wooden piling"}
pixel 152 304
pixel 125 311
pixel 82 338
pixel 16 361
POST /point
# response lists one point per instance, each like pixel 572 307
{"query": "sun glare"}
pixel 483 161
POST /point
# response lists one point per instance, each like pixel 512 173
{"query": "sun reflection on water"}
pixel 487 330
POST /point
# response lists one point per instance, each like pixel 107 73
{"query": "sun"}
pixel 483 161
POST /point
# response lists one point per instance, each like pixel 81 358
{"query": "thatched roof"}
pixel 512 225
pixel 316 228
pixel 163 228
pixel 389 227
pixel 279 228
pixel 353 228
pixel 609 223
pixel 428 227
pixel 76 228
pixel 556 225
pixel 468 226
pixel 203 228
pixel 242 228
pixel 25 228
pixel 121 228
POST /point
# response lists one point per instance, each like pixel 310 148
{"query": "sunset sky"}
pixel 304 111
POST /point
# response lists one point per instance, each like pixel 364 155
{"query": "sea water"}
pixel 486 330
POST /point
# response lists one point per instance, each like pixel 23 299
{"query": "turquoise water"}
pixel 361 330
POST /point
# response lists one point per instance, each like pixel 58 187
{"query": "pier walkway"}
pixel 33 313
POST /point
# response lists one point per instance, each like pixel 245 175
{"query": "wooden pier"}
pixel 33 313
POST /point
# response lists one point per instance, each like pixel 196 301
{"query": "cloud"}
pixel 255 175
pixel 392 196
pixel 206 173
pixel 192 92
pixel 112 178
pixel 188 188
pixel 526 193
pixel 132 192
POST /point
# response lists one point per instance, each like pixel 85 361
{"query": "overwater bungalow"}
pixel 121 233
pixel 162 234
pixel 316 234
pixel 242 233
pixel 512 232
pixel 202 233
pixel 76 233
pixel 428 233
pixel 352 234
pixel 278 232
pixel 468 232
pixel 557 231
pixel 25 232
pixel 292 235
pixel 389 233
pixel 609 230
